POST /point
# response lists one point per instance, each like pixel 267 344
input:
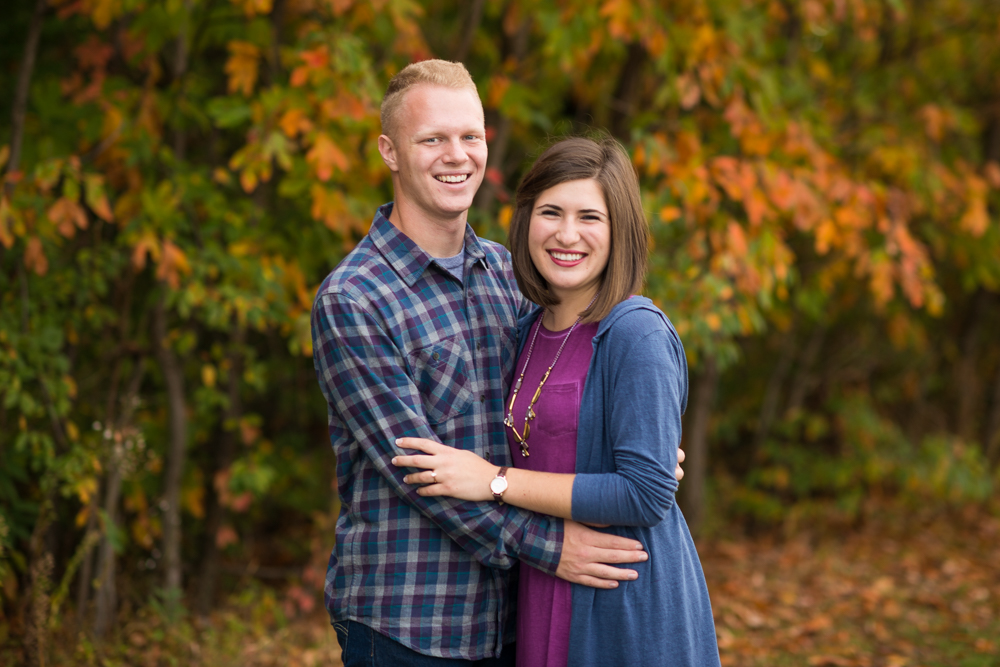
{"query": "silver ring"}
pixel 434 474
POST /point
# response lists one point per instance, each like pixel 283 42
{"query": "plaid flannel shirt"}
pixel 402 348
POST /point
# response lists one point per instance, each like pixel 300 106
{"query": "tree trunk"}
pixel 772 393
pixel 504 126
pixel 966 378
pixel 469 28
pixel 216 513
pixel 623 102
pixel 803 380
pixel 692 489
pixel 173 377
pixel 23 86
pixel 106 598
pixel 991 439
pixel 36 640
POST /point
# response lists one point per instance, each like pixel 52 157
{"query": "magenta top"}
pixel 544 602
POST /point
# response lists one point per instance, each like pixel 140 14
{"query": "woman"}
pixel 594 421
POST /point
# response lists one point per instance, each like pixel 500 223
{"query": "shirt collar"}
pixel 407 258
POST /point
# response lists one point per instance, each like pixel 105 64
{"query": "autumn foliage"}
pixel 822 180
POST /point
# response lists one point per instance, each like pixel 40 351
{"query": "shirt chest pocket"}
pixel 439 372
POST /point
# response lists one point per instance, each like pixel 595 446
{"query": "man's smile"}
pixel 453 178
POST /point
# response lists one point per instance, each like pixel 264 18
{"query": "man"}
pixel 414 335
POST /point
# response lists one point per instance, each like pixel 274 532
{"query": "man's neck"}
pixel 436 237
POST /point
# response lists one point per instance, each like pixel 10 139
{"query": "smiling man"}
pixel 414 334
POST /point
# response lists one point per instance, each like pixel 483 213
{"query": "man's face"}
pixel 438 150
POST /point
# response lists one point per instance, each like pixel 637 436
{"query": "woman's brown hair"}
pixel 606 162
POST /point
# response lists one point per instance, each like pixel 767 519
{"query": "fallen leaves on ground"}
pixel 898 591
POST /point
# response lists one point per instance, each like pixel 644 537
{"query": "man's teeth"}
pixel 567 256
pixel 459 178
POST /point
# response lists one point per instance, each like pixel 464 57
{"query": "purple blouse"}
pixel 544 601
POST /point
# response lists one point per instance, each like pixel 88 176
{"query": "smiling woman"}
pixel 569 240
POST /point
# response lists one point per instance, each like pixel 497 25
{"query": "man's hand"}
pixel 587 556
pixel 678 473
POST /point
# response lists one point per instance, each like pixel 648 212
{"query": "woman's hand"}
pixel 446 471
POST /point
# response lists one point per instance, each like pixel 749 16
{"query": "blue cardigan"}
pixel 626 450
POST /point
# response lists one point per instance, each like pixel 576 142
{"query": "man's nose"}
pixel 454 151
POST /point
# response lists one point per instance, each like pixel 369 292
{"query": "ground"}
pixel 905 588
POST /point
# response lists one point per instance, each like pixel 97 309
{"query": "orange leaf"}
pixel 669 213
pixel 242 66
pixel 226 536
pixel 172 264
pixel 67 216
pixel 325 156
pixel 34 257
pixel 690 92
pixel 736 239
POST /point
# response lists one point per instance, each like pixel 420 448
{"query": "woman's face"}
pixel 569 238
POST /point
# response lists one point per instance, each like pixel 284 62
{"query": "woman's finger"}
pixel 413 461
pixel 425 477
pixel 422 444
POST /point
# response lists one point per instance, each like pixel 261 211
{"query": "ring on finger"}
pixel 434 474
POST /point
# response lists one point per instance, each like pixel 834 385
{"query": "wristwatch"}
pixel 499 484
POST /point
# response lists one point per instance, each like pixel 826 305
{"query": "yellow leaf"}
pixel 72 432
pixel 4 155
pixel 506 213
pixel 6 222
pixel 208 375
pixel 713 321
pixel 193 500
pixel 242 66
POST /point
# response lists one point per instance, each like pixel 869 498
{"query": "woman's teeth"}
pixel 461 178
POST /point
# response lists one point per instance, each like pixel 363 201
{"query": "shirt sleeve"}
pixel 364 378
pixel 648 394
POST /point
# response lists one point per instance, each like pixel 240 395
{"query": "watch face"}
pixel 498 485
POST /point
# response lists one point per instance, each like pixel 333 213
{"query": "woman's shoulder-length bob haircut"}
pixel 606 162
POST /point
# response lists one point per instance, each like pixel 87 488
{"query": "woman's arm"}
pixel 465 475
pixel 461 474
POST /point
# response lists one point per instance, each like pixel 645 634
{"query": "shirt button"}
pixel 482 398
pixel 436 356
pixel 479 346
pixel 472 299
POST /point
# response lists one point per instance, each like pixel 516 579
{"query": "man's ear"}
pixel 388 152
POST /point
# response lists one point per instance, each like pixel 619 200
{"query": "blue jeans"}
pixel 363 647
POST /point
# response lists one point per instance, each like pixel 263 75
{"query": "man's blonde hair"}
pixel 436 72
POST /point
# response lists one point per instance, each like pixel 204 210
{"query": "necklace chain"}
pixel 522 438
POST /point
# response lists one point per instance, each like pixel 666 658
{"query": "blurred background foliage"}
pixel 822 179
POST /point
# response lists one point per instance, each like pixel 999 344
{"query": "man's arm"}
pixel 364 378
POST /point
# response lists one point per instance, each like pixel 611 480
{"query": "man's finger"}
pixel 619 556
pixel 593 582
pixel 593 538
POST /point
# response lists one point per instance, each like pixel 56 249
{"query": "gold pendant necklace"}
pixel 522 438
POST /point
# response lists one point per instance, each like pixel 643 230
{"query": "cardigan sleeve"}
pixel 645 395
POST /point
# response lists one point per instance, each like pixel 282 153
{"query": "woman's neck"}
pixel 563 315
